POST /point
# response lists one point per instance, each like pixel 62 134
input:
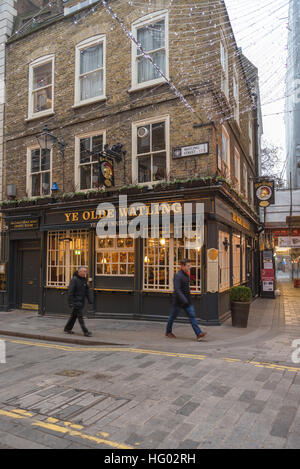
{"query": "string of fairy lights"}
pixel 195 30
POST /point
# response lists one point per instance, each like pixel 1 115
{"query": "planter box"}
pixel 240 313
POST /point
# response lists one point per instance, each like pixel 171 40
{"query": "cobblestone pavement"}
pixel 237 389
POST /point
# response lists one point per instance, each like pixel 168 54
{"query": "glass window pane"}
pixel 42 99
pixel 91 58
pixel 35 161
pixel 46 183
pixel 144 168
pixel 97 144
pixel 91 85
pixel 143 143
pixel 42 76
pixel 152 36
pixel 146 71
pixel 120 242
pixel 158 136
pixel 45 160
pixel 85 150
pixel 159 166
pixel 95 176
pixel 36 189
pixel 85 177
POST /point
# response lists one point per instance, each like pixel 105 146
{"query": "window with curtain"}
pixel 41 74
pixel 224 65
pixel 152 36
pixel 237 169
pixel 225 153
pixel 90 70
pixel 39 172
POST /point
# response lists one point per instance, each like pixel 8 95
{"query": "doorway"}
pixel 28 275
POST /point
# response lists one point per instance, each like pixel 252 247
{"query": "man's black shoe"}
pixel 88 334
pixel 68 332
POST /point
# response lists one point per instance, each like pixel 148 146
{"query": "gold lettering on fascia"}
pixel 146 210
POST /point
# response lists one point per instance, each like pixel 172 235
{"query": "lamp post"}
pixel 47 140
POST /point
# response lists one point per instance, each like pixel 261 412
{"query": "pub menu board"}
pixel 267 272
pixel 28 224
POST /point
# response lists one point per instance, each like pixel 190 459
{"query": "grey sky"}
pixel 260 28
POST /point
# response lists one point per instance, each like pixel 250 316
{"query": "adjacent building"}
pixel 292 115
pixel 182 131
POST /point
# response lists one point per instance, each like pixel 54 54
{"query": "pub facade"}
pixel 116 130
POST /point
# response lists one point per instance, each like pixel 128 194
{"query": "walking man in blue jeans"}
pixel 182 299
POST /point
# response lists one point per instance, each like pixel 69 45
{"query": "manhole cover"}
pixel 70 373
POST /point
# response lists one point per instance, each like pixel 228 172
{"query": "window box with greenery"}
pixel 240 298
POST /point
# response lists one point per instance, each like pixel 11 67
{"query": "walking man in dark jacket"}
pixel 182 299
pixel 78 290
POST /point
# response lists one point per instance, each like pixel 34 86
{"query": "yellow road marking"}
pixel 153 352
pixel 50 425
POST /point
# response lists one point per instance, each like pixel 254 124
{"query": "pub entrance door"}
pixel 28 275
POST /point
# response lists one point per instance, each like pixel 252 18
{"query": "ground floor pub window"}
pixel 115 256
pixel 162 258
pixel 236 259
pixel 224 261
pixel 66 251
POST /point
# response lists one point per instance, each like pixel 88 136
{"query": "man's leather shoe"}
pixel 88 334
pixel 200 336
pixel 170 335
pixel 68 332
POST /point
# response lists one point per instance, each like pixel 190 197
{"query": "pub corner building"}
pixel 129 278
pixel 172 157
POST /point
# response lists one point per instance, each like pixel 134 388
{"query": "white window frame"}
pixel 90 42
pixel 77 155
pixel 236 258
pixel 226 164
pixel 28 170
pixel 224 59
pixel 135 125
pixel 66 268
pixel 236 95
pixel 250 129
pixel 237 157
pixel 245 179
pixel 35 64
pixel 170 268
pixel 224 262
pixel 152 17
pixel 115 249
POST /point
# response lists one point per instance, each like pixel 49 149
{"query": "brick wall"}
pixel 123 107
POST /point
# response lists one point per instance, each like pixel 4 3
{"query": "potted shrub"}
pixel 240 298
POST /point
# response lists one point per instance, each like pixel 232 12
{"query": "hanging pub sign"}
pixel 265 193
pixel 193 150
pixel 106 173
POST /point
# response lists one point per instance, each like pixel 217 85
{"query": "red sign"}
pixel 267 275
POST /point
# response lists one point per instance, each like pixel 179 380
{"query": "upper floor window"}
pixel 151 151
pixel 41 86
pixel 38 172
pixel 86 160
pixel 90 70
pixel 245 180
pixel 236 97
pixel 225 153
pixel 224 66
pixel 151 32
pixel 237 169
pixel 250 135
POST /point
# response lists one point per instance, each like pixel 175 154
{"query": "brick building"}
pixel 188 130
